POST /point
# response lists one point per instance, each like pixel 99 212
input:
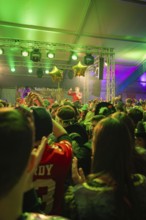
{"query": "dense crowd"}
pixel 78 161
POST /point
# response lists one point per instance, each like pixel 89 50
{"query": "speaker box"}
pixel 101 67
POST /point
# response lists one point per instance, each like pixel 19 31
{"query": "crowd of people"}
pixel 71 160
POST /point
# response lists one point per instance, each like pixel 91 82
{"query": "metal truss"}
pixel 14 46
pixel 30 45
pixel 109 58
pixel 110 78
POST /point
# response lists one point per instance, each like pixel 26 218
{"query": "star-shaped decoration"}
pixel 79 69
pixel 56 74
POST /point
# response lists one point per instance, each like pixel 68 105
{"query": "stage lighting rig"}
pixel 35 55
pixel 88 59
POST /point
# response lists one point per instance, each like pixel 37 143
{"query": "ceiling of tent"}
pixel 66 25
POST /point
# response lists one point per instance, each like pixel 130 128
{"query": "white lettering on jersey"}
pixel 44 170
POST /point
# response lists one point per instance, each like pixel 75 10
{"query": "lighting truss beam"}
pixel 58 46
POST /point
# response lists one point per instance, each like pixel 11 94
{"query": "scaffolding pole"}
pixel 110 77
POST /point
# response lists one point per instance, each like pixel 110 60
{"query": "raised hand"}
pixel 77 174
pixel 34 99
pixel 35 158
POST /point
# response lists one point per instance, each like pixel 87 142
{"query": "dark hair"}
pixel 139 161
pixel 136 115
pixel 76 110
pixel 113 149
pixel 82 151
pixel 120 106
pixel 104 108
pixel 124 118
pixel 141 130
pixel 16 136
pixel 76 137
pixel 66 113
pixel 43 122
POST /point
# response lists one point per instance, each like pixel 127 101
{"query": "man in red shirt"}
pixel 18 161
pixel 76 95
pixel 50 176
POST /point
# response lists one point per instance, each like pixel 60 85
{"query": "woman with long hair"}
pixel 111 192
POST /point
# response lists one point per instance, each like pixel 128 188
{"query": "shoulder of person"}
pixel 34 216
pixel 62 145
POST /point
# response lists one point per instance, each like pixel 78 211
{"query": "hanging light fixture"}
pixel 74 56
pixel 24 53
pixel 46 71
pixel 50 54
pixel 30 70
pixel 12 69
pixel 1 51
pixel 88 59
pixel 35 55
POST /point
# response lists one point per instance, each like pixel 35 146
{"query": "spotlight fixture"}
pixel 30 70
pixel 74 56
pixel 105 63
pixel 1 51
pixel 35 55
pixel 12 69
pixel 50 55
pixel 46 71
pixel 24 53
pixel 88 59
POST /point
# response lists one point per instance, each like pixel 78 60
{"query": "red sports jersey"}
pixel 50 175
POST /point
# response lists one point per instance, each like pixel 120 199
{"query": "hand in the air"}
pixel 77 174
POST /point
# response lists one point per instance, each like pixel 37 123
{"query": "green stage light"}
pixel 30 70
pixel 50 55
pixel 24 53
pixel 12 69
pixel 74 56
pixel 1 51
pixel 46 71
